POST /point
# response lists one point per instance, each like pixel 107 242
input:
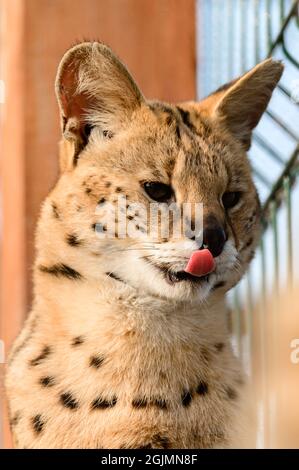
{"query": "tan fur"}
pixel 138 339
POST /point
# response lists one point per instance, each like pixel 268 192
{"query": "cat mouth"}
pixel 174 277
pixel 197 271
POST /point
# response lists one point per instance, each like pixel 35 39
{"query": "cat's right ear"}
pixel 93 88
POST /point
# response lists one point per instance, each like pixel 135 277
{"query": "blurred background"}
pixel 176 50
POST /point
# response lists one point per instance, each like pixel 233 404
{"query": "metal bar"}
pixel 281 11
pixel 273 210
pixel 287 189
pixel 243 35
pixel 286 92
pixel 287 53
pixel 268 24
pixel 260 141
pixel 285 22
pixel 231 34
pixel 256 31
pixel 263 269
pixel 262 178
pixel 282 125
pixel 279 183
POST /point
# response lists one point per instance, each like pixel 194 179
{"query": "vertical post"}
pixel 256 31
pixel 288 197
pixel 273 210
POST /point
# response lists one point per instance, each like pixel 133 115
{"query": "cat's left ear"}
pixel 239 105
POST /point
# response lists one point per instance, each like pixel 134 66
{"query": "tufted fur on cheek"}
pixel 93 88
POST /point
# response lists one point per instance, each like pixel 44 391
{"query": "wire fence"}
pixel 234 35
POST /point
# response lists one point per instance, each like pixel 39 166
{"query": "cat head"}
pixel 146 184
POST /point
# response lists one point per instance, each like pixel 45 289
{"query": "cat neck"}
pixel 78 306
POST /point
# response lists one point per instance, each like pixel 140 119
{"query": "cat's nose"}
pixel 214 237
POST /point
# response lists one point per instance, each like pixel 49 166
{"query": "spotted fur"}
pixel 113 354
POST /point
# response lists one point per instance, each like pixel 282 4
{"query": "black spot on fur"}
pixel 139 402
pixel 178 132
pixel 64 122
pixel 130 217
pixel 77 340
pixel 248 244
pixel 102 403
pixel 47 381
pixel 185 115
pixel 219 284
pixel 102 200
pixel 37 423
pixel 157 442
pixel 73 240
pixel 118 189
pixel 67 400
pixel 169 120
pixel 108 134
pixel 55 210
pixel 87 130
pixel 159 108
pixel 159 403
pixel 186 398
pixel 146 446
pixel 202 388
pixel 87 191
pixel 219 346
pixel 27 338
pixel 15 419
pixel 41 357
pixel 154 401
pixel 114 276
pixel 61 270
pixel 96 361
pixel 161 441
pixel 231 393
pixel 108 184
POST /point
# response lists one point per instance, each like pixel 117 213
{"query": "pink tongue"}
pixel 200 263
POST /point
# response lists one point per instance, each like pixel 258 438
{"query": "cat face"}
pixel 145 185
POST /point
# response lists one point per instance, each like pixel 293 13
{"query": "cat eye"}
pixel 157 191
pixel 230 199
